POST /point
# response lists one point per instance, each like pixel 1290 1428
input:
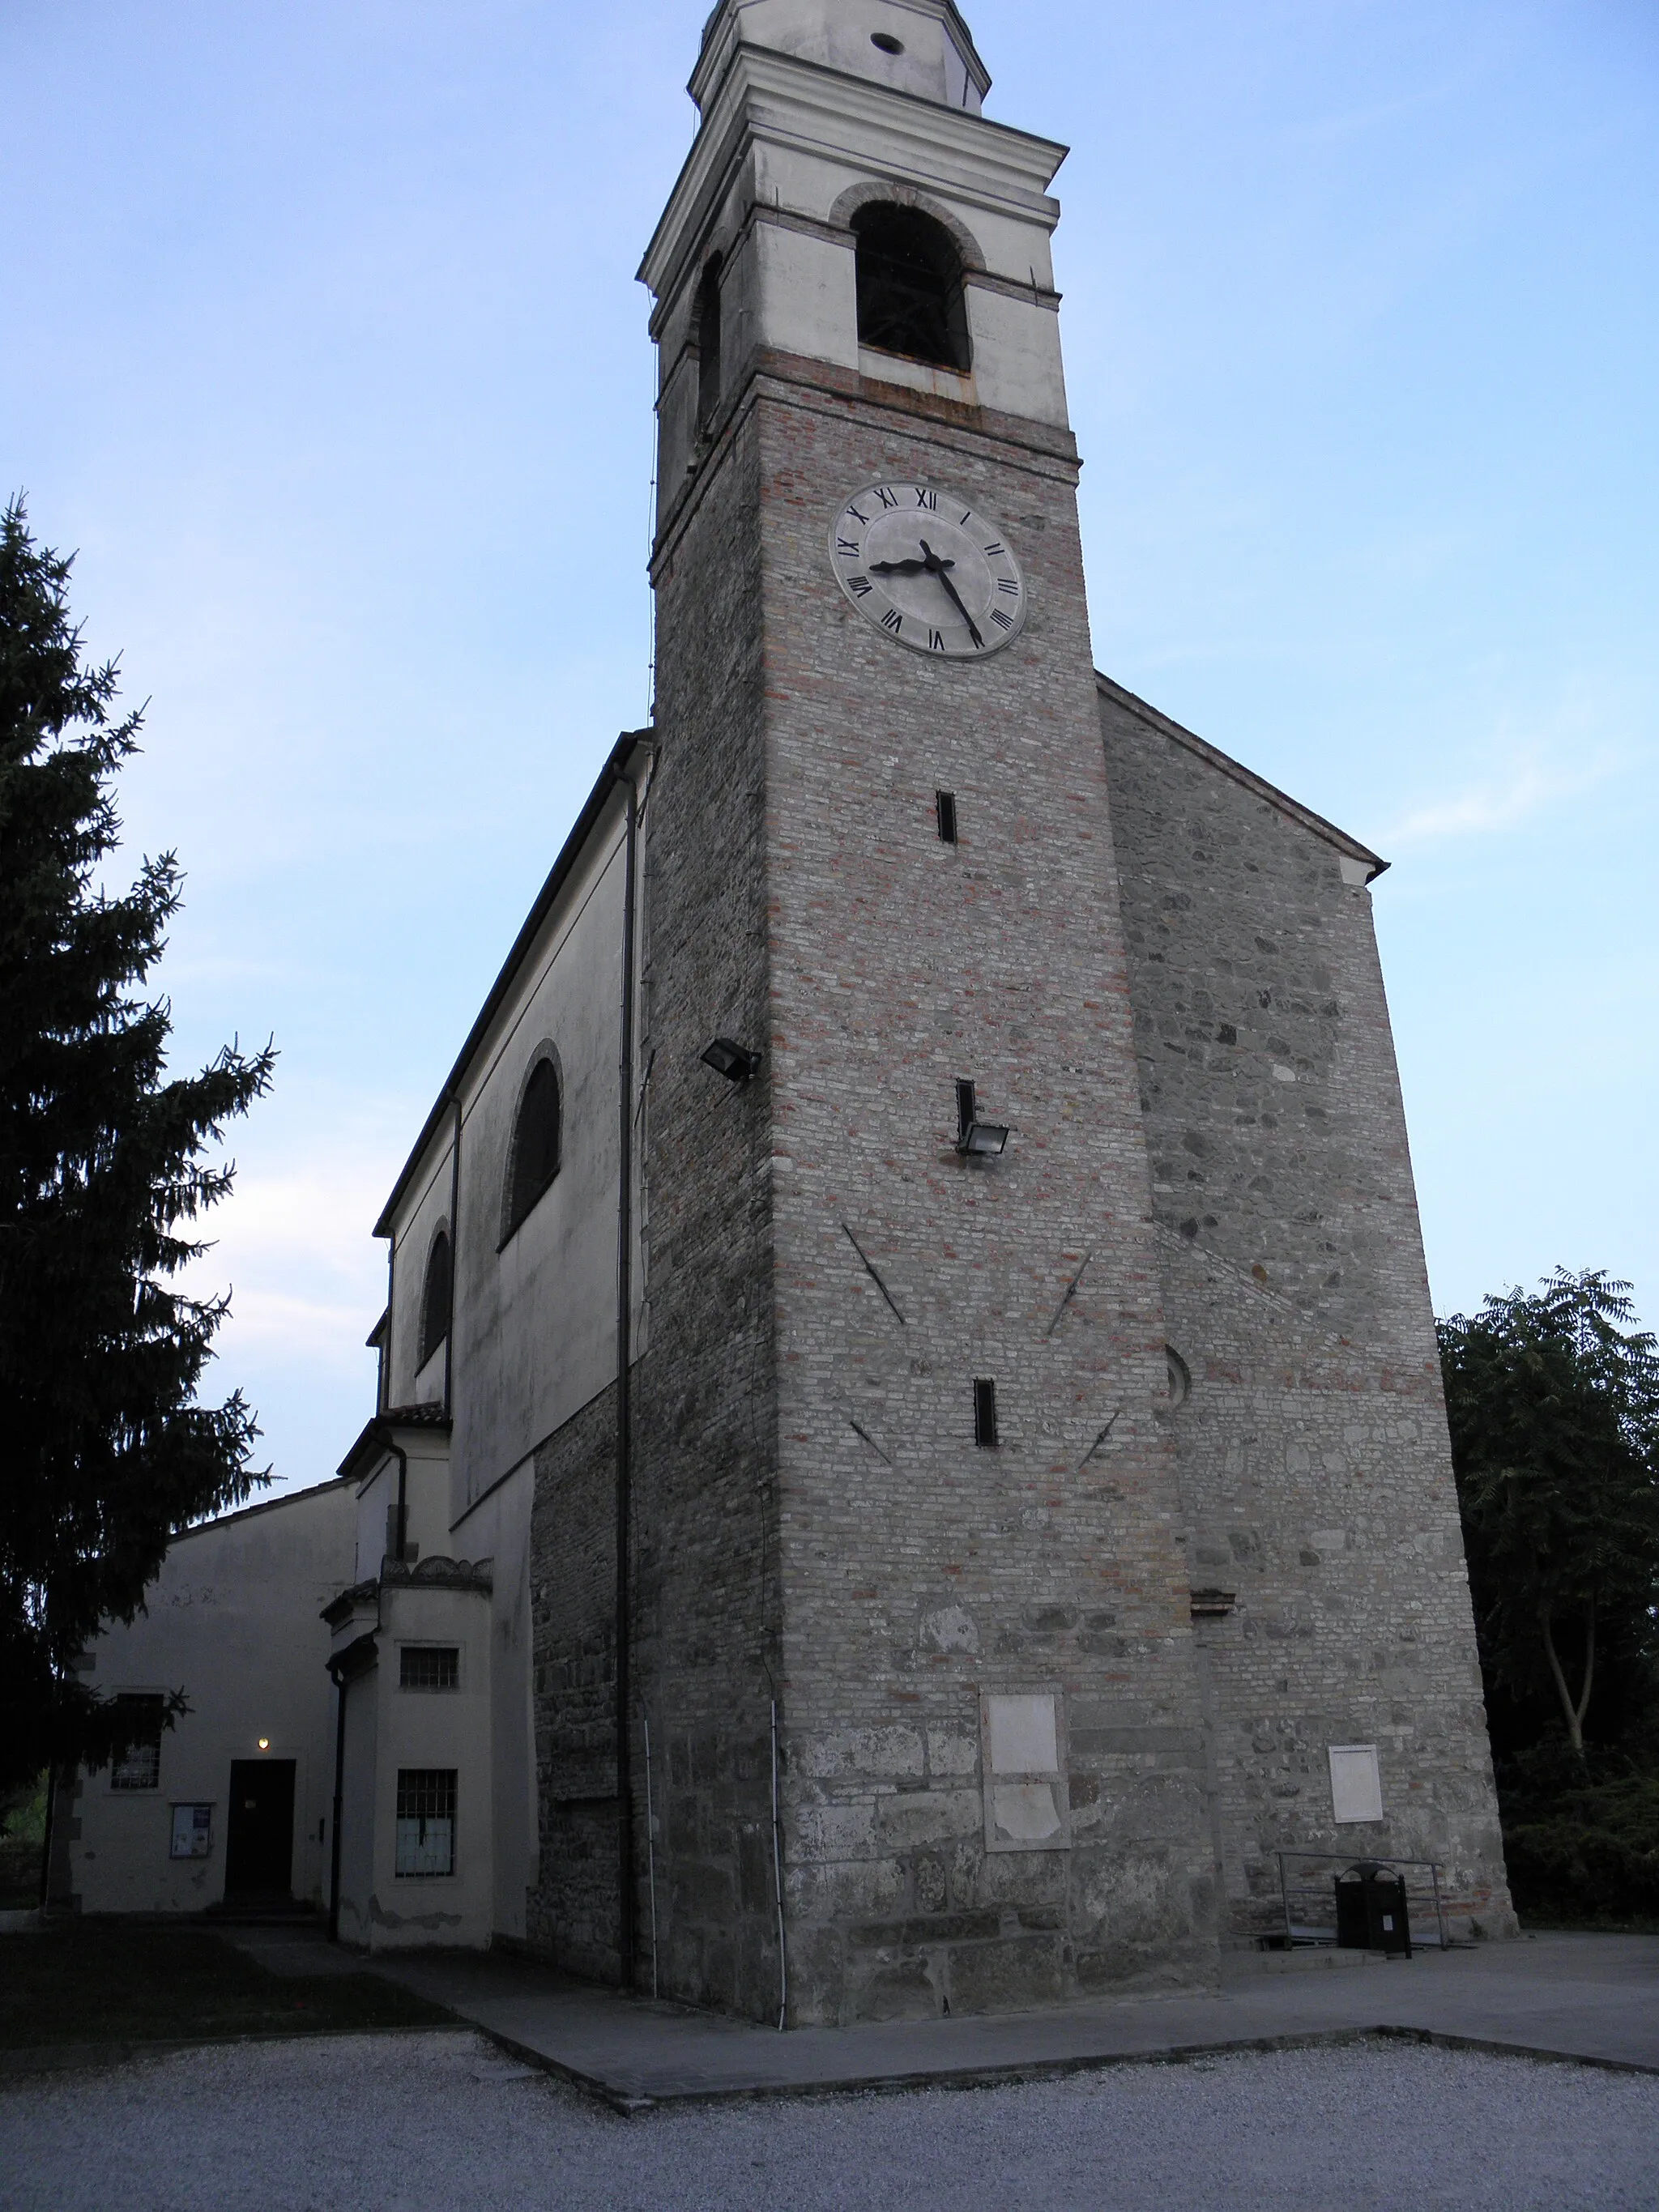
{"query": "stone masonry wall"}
pixel 1315 1475
pixel 571 1914
pixel 919 1569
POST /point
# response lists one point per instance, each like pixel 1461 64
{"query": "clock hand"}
pixel 935 567
pixel 897 568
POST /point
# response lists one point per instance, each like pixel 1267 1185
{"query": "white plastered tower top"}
pixel 804 120
pixel 919 47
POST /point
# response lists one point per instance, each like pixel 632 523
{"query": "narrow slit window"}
pixel 435 1297
pixel 985 1412
pixel 945 804
pixel 535 1140
pixel 964 1111
pixel 709 343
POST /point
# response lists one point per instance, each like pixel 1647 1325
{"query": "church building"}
pixel 909 1466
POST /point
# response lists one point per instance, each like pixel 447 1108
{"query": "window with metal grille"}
pixel 985 1412
pixel 139 1765
pixel 535 1159
pixel 429 1667
pixel 426 1821
pixel 909 278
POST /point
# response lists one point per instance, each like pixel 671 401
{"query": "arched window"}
pixel 436 1293
pixel 708 343
pixel 909 286
pixel 535 1159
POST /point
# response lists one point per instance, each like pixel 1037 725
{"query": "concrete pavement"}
pixel 1592 1998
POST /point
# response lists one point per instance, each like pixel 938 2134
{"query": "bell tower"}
pixel 911 1626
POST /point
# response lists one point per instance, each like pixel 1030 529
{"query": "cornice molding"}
pixel 774 99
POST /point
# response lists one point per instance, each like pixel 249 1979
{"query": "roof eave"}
pixel 1258 784
pixel 569 853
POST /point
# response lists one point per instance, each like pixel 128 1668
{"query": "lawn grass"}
pixel 111 1981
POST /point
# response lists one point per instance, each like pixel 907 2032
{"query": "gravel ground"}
pixel 443 2120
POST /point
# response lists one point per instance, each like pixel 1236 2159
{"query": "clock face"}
pixel 928 570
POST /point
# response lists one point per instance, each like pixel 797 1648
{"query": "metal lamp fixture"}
pixel 976 1139
pixel 728 1058
pixel 982 1140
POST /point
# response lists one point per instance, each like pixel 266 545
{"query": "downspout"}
pixel 46 1849
pixel 401 1549
pixel 454 1260
pixel 339 1807
pixel 625 1916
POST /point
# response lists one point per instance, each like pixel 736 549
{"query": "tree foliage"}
pixel 104 1173
pixel 1553 1401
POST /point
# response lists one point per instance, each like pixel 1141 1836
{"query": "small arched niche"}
pixel 533 1159
pixel 706 335
pixel 437 1296
pixel 910 298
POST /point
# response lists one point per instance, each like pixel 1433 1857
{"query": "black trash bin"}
pixel 1370 1911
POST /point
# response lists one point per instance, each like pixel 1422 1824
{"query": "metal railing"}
pixel 1307 1932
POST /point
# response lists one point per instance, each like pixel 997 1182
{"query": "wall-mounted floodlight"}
pixel 982 1140
pixel 976 1139
pixel 728 1058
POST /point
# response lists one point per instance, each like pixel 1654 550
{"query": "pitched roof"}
pixel 1223 762
pixel 611 775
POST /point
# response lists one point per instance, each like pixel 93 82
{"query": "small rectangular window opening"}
pixel 426 1821
pixel 429 1667
pixel 946 803
pixel 964 1111
pixel 985 1412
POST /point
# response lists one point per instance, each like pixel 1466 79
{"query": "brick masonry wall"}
pixel 705 1535
pixel 918 1569
pixel 1315 1475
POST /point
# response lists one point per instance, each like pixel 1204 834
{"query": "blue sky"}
pixel 323 347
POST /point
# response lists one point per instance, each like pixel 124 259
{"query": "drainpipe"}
pixel 401 1550
pixel 339 1803
pixel 454 1258
pixel 51 1824
pixel 625 1937
pixel 385 1392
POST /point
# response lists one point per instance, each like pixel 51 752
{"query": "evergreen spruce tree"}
pixel 105 1453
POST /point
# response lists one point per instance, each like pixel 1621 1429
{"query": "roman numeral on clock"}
pixel 893 620
pixel 1001 620
pixel 935 640
pixel 849 547
pixel 860 587
pixel 925 498
pixel 1007 583
pixel 887 498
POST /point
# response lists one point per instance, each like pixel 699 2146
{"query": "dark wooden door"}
pixel 259 1833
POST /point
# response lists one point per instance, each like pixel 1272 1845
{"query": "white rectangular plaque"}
pixel 1356 1783
pixel 1027 1797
